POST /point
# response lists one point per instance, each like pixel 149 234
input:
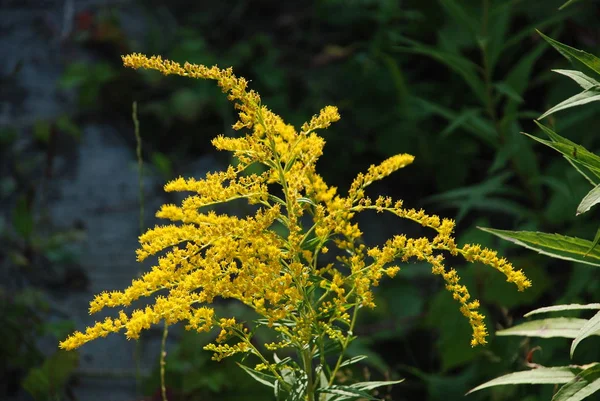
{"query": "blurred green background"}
pixel 451 82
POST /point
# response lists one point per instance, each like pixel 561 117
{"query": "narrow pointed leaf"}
pixel 554 245
pixel 463 119
pixel 353 360
pixel 572 54
pixel 462 66
pixel 579 169
pixel 582 386
pixel 557 375
pixel 582 80
pixel 375 384
pixel 587 96
pixel 566 327
pixel 298 388
pixel 560 308
pixel 457 11
pixel 574 153
pixel 344 393
pixel 592 198
pixel 568 3
pixel 508 92
pixel 596 240
pixel 591 327
pixel 263 378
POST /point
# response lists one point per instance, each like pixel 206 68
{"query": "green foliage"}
pixel 47 381
pixel 579 382
pixel 88 79
pixel 29 255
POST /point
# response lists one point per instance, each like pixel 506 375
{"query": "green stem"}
pixel 307 361
pixel 256 352
pixel 138 152
pixel 163 362
pixel 491 106
pixel 344 345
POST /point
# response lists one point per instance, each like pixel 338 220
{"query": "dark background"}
pixel 407 76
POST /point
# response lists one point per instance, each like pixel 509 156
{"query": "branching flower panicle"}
pixel 277 273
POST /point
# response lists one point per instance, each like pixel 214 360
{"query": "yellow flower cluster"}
pixel 275 272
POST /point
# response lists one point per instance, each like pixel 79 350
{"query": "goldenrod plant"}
pixel 273 261
pixel 578 381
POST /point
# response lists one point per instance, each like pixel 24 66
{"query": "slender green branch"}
pixel 344 344
pixel 138 152
pixel 307 361
pixel 163 362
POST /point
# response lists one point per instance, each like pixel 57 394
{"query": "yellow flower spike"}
pixel 326 116
pixel 474 253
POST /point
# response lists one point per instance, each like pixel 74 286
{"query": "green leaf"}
pixel 23 218
pixel 263 378
pixel 566 327
pixel 488 195
pixel 455 9
pixel 509 92
pixel 461 65
pixel 592 198
pixel 299 386
pixel 68 126
pixel 568 3
pixel 162 164
pixel 375 384
pixel 344 393
pixel 560 308
pixel 582 386
pixel 556 375
pixel 498 25
pixel 582 80
pixel 353 360
pixel 518 77
pixel 596 240
pixel 573 152
pixel 397 76
pixel 461 120
pixel 525 33
pixel 48 381
pixel 42 131
pixel 587 96
pixel 554 245
pixel 477 126
pixel 592 327
pixel 572 54
pixel 75 74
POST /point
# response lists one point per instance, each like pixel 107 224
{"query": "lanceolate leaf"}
pixel 592 198
pixel 456 10
pixel 263 378
pixel 570 150
pixel 596 240
pixel 582 386
pixel 560 308
pixel 572 54
pixel 587 96
pixel 554 245
pixel 373 385
pixel 344 393
pixel 462 66
pixel 547 328
pixel 568 3
pixel 353 360
pixel 556 375
pixel 582 80
pixel 592 327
